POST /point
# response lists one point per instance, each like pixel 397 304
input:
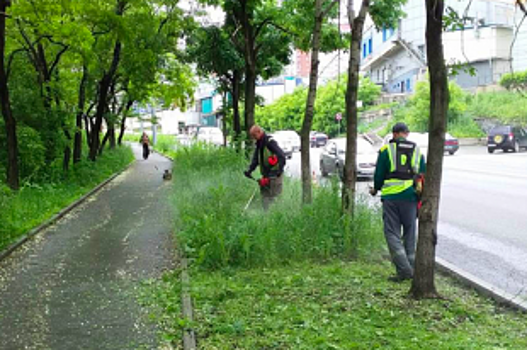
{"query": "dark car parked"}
pixel 507 138
pixel 317 139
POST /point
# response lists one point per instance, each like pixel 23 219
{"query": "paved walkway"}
pixel 75 286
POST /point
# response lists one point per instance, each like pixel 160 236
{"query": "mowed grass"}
pixel 35 203
pixel 337 305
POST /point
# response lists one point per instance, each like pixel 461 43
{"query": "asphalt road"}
pixel 75 286
pixel 483 214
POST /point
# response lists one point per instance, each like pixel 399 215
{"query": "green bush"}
pixel 505 107
pixel 465 127
pixel 215 230
pixel 32 152
pixel 514 81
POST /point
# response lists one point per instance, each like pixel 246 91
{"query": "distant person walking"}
pixel 271 159
pixel 400 166
pixel 145 141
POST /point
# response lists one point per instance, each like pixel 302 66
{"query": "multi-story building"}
pixel 396 58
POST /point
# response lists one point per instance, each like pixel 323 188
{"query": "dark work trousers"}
pixel 271 191
pixel 146 151
pixel 397 214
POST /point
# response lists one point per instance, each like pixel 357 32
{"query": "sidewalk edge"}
pixel 481 286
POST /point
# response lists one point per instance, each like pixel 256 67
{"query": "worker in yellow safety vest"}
pixel 400 167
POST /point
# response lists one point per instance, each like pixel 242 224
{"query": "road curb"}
pixel 481 286
pixel 189 337
pixel 9 250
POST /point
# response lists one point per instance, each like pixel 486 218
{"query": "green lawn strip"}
pixel 36 203
pixel 339 305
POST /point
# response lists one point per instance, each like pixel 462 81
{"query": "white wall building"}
pixel 396 59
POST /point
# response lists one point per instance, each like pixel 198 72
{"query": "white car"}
pixel 210 135
pixel 334 156
pixel 292 136
pixel 285 145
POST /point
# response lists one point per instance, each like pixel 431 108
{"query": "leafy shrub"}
pixel 512 81
pixel 32 152
pixel 506 107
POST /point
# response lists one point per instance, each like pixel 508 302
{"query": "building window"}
pixel 408 85
pixel 386 33
pixel 364 52
pixel 370 46
pixel 206 106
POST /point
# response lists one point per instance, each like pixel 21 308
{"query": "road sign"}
pixel 338 117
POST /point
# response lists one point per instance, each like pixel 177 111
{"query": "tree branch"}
pixel 521 6
pixel 260 27
pixel 57 59
pixel 330 7
pixel 10 60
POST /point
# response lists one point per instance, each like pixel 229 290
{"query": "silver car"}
pixel 290 135
pixel 333 158
pixel 285 144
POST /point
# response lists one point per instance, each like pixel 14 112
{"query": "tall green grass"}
pixel 36 202
pixel 216 231
pixel 506 107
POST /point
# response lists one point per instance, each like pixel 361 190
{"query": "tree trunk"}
pixel 102 104
pixel 77 146
pixel 250 65
pixel 104 89
pixel 88 127
pixel 112 139
pixel 310 106
pixel 236 104
pixel 13 180
pixel 67 158
pixel 129 105
pixel 67 149
pixel 250 96
pixel 423 285
pixel 350 166
pixel 104 140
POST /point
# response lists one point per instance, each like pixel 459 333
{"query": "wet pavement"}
pixel 75 286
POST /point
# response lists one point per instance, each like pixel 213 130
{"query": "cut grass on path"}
pixel 340 305
pixel 35 203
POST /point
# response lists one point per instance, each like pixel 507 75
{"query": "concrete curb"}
pixel 481 286
pixel 473 142
pixel 189 337
pixel 9 250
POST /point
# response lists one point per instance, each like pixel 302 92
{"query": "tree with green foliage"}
pixel 515 81
pixel 215 54
pixel 71 62
pixel 385 14
pixel 285 112
pixel 316 18
pixel 263 42
pixel 5 102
